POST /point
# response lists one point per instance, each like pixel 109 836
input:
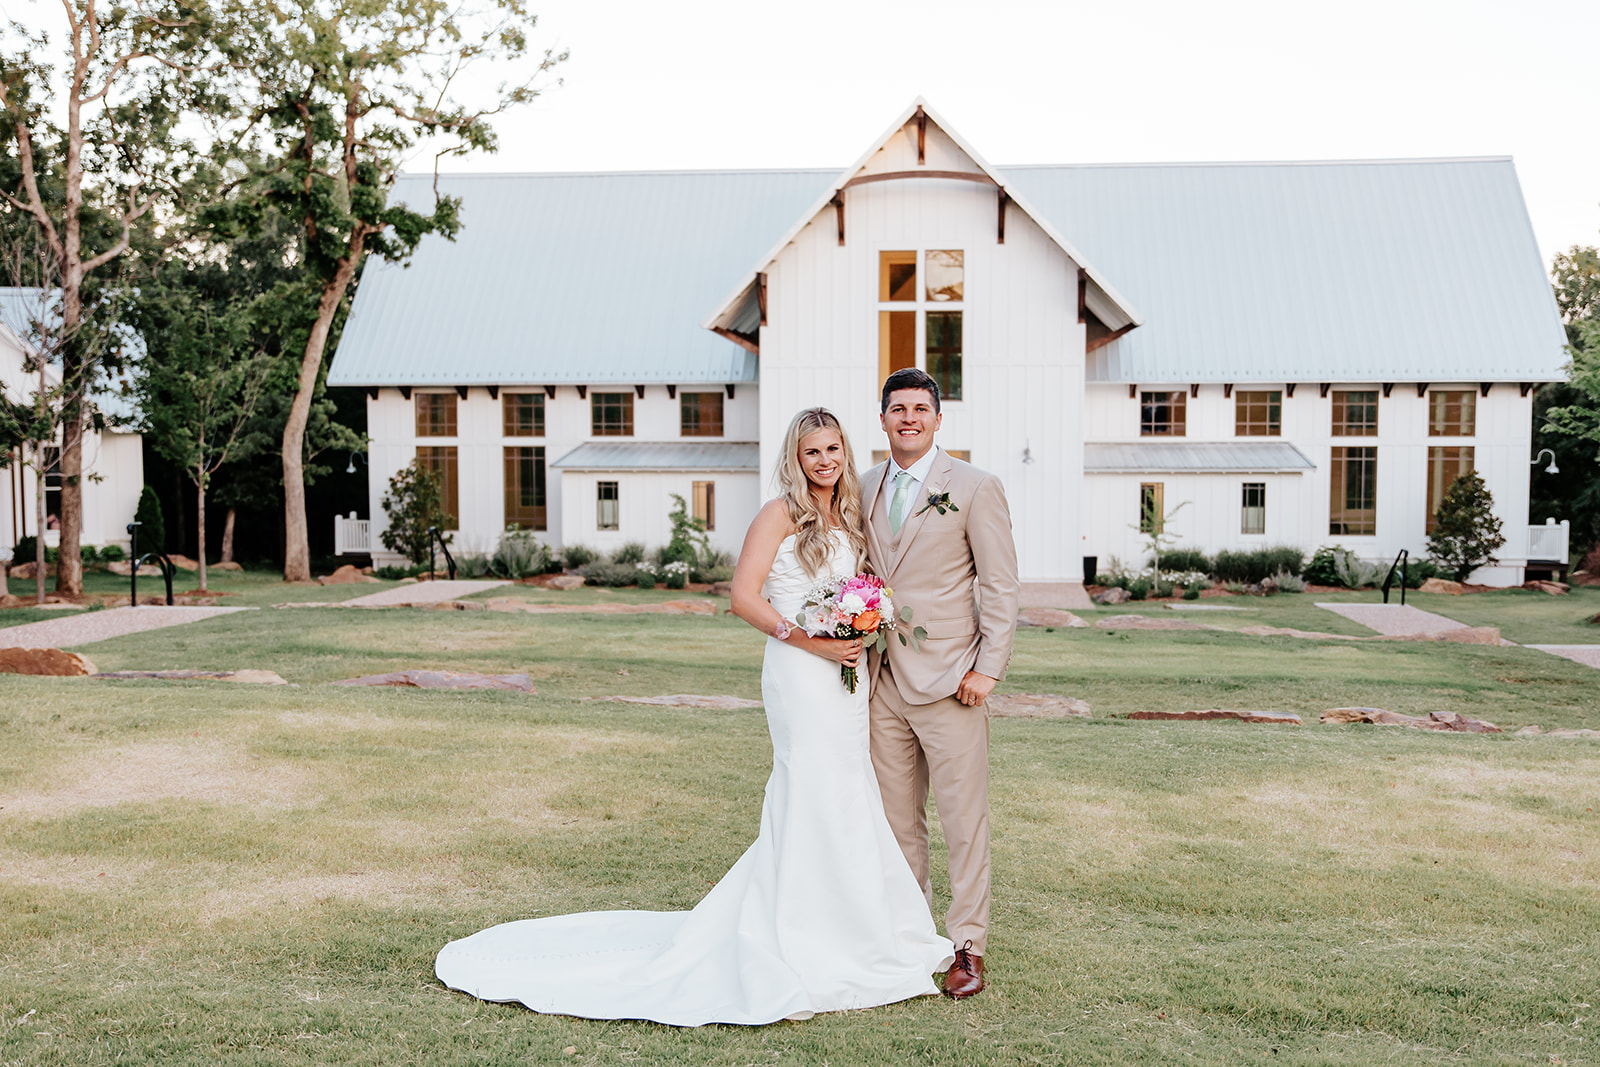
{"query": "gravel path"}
pixel 1395 620
pixel 1588 655
pixel 100 625
pixel 421 593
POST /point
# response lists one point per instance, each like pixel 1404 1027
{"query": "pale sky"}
pixel 733 84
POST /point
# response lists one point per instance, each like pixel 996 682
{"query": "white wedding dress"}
pixel 820 914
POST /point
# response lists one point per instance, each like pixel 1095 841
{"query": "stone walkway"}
pixel 1395 620
pixel 102 625
pixel 421 593
pixel 1588 655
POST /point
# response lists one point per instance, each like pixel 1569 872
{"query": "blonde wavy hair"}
pixel 812 543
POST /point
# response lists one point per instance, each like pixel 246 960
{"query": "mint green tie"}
pixel 902 499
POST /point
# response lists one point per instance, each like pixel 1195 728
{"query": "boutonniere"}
pixel 941 501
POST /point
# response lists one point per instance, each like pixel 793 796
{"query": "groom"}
pixel 939 533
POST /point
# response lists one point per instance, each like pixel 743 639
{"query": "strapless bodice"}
pixel 788 582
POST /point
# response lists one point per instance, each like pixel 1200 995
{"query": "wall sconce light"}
pixel 350 468
pixel 1552 469
pixel 1027 453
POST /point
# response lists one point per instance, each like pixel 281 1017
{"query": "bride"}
pixel 821 913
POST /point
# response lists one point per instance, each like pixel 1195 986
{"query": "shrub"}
pixel 1192 593
pixel 712 575
pixel 399 571
pixel 632 552
pixel 675 575
pixel 519 554
pixel 1320 571
pixel 1164 589
pixel 24 550
pixel 473 565
pixel 1235 587
pixel 1354 572
pixel 112 554
pixel 89 554
pixel 1185 559
pixel 1288 583
pixel 152 527
pixel 1466 534
pixel 414 502
pixel 1138 589
pixel 689 543
pixel 1255 565
pixel 577 557
pixel 644 576
pixel 1419 571
pixel 610 574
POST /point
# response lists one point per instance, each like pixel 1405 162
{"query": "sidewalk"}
pixel 94 626
pixel 422 593
pixel 1395 620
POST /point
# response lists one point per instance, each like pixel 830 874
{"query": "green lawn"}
pixel 199 873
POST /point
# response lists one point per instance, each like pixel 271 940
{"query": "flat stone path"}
pixel 102 625
pixel 1395 620
pixel 1588 655
pixel 421 593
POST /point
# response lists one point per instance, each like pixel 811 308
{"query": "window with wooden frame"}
pixel 1151 506
pixel 1253 508
pixel 436 414
pixel 1355 413
pixel 524 477
pixel 441 460
pixel 1452 413
pixel 611 414
pixel 1258 413
pixel 700 414
pixel 1162 414
pixel 705 503
pixel 1445 465
pixel 607 506
pixel 909 333
pixel 522 415
pixel 1353 492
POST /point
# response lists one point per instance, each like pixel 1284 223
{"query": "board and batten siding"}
pixel 1022 360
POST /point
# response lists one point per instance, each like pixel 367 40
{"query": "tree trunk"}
pixel 297 547
pixel 227 537
pixel 200 522
pixel 38 541
pixel 69 558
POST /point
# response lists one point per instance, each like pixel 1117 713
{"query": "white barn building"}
pixel 1302 353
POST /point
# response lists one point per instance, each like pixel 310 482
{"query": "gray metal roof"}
pixel 662 456
pixel 1414 270
pixel 1366 271
pixel 27 313
pixel 1178 457
pixel 570 278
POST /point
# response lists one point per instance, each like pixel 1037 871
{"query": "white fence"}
pixel 1549 542
pixel 352 536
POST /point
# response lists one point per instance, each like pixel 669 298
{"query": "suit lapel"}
pixel 875 542
pixel 938 478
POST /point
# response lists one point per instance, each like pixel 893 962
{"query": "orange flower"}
pixel 867 621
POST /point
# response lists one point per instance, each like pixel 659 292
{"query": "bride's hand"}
pixel 843 652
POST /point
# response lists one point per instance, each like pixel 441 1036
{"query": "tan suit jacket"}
pixel 956 571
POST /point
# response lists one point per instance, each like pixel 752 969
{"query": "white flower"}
pixel 852 604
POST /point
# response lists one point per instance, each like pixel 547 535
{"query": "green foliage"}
pixel 689 542
pixel 1466 533
pixel 1192 593
pixel 577 557
pixel 1256 565
pixel 675 575
pixel 398 571
pixel 1138 588
pixel 26 550
pixel 632 552
pixel 519 555
pixel 413 503
pixel 473 565
pixel 1567 414
pixel 152 526
pixel 712 575
pixel 112 554
pixel 1419 571
pixel 644 576
pixel 614 575
pixel 1185 559
pixel 1288 583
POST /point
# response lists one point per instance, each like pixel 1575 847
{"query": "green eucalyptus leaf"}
pixel 902 638
pixel 905 614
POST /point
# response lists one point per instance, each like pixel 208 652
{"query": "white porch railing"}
pixel 352 536
pixel 1549 542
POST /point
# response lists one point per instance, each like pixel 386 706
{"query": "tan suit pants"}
pixel 946 744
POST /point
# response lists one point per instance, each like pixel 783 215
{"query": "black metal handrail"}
pixel 163 564
pixel 434 536
pixel 1400 561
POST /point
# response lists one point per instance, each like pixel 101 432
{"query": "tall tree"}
pixel 1567 414
pixel 126 76
pixel 352 88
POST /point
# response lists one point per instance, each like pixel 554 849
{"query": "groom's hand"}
pixel 974 689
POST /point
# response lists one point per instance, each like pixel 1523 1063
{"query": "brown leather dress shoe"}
pixel 965 976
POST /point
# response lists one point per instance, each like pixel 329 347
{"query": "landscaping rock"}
pixel 24 571
pixel 1049 617
pixel 1289 631
pixel 565 581
pixel 1466 635
pixel 686 700
pixel 182 562
pixel 225 565
pixel 1115 595
pixel 49 662
pixel 721 589
pixel 455 605
pixel 407 581
pixel 1146 622
pixel 445 680
pixel 249 677
pixel 119 566
pixel 346 575
pixel 1553 588
pixel 1441 585
pixel 1282 718
pixel 1037 706
pixel 1438 720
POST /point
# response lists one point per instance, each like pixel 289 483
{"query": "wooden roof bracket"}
pixel 1322 390
pixel 672 392
pixel 638 391
pixel 583 392
pixel 494 392
pixel 1107 339
pixel 922 136
pixel 1527 387
pixel 1083 296
pixel 550 391
pixel 743 342
pixel 838 213
pixel 1001 226
pixel 1227 391
pixel 405 392
pixel 761 296
pixel 1194 389
pixel 461 391
pixel 1484 387
pixel 730 390
pixel 1422 390
pixel 372 392
pixel 1288 390
pixel 1133 390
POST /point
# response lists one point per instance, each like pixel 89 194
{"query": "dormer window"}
pixel 910 334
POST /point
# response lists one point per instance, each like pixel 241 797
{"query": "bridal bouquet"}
pixel 859 606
